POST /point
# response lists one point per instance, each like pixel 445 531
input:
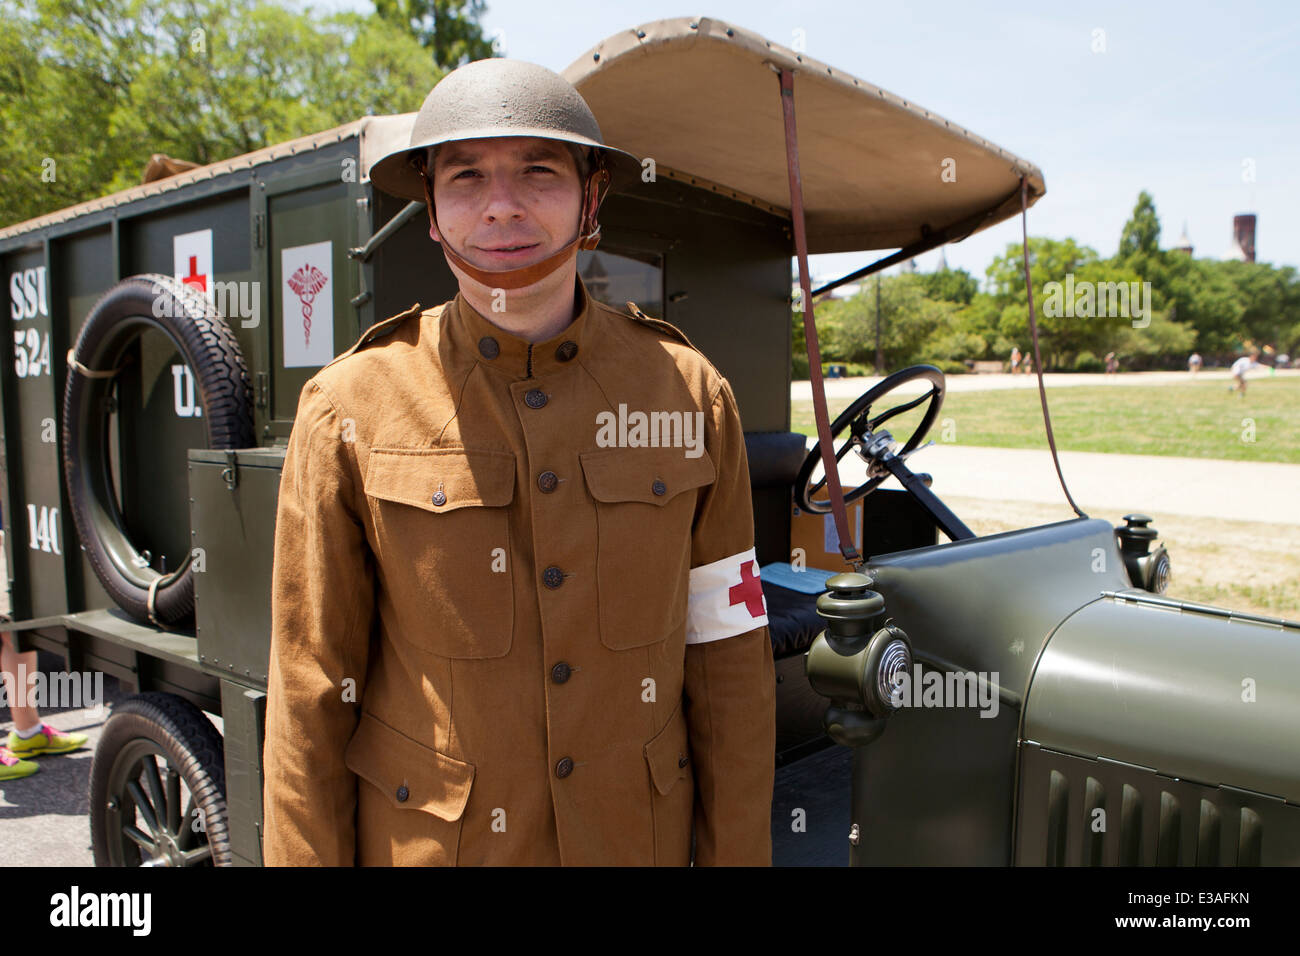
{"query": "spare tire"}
pixel 211 352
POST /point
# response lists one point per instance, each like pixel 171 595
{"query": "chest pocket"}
pixel 443 533
pixel 645 507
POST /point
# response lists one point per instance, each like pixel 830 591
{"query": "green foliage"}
pixel 799 367
pixel 950 285
pixel 1061 270
pixel 1162 344
pixel 449 28
pixel 909 319
pixel 1185 305
pixel 98 86
pixel 1048 259
pixel 1087 362
pixel 1141 235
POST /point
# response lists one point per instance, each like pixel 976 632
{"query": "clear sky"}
pixel 1184 95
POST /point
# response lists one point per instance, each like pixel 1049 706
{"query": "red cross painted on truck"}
pixel 195 278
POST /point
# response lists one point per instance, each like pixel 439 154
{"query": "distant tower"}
pixel 1243 230
pixel 1184 243
pixel 1243 238
pixel 943 259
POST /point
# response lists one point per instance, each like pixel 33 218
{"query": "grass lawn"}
pixel 1195 420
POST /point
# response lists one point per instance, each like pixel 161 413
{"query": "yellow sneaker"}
pixel 11 768
pixel 47 741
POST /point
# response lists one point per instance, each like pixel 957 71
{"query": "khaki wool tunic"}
pixel 512 624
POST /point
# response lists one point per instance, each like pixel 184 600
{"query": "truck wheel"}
pixel 210 350
pixel 144 815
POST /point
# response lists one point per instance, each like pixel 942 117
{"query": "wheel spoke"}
pixel 154 782
pixel 143 805
pixel 173 801
pixel 197 855
pixel 898 410
pixel 186 838
pixel 132 833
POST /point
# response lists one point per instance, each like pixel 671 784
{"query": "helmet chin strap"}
pixel 593 193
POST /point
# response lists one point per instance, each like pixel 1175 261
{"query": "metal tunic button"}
pixel 402 794
pixel 564 767
pixel 535 398
pixel 488 348
pixel 566 351
pixel 552 577
pixel 681 760
pixel 561 672
pixel 659 487
pixel 439 498
pixel 547 481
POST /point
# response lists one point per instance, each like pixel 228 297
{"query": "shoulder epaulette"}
pixel 639 316
pixel 378 330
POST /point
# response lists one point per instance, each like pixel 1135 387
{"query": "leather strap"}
pixel 810 327
pixel 1033 332
pixel 587 238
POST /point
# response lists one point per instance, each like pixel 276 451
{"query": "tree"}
pixel 1059 267
pixel 450 28
pixel 1141 233
pixel 950 285
pixel 91 88
pixel 910 319
pixel 1202 295
pixel 1048 259
pixel 1270 299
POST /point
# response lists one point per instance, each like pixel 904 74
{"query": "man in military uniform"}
pixel 507 627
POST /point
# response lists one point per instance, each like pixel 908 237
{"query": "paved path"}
pixel 1111 484
pixel 853 387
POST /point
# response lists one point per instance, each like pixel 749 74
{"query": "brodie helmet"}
pixel 502 97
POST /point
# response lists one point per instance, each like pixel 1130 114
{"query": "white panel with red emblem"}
pixel 192 261
pixel 307 294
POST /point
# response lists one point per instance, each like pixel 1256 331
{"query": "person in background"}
pixel 1240 368
pixel 1015 360
pixel 1194 363
pixel 30 736
pixel 1112 363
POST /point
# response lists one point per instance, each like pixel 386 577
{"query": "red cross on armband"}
pixel 726 599
pixel 749 591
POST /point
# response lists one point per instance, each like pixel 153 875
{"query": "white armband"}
pixel 726 599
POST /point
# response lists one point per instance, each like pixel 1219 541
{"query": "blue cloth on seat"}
pixel 808 581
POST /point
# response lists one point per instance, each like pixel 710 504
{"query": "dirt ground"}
pixel 1242 565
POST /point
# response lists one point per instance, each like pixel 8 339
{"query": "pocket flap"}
pixel 433 782
pixel 668 754
pixel 650 475
pixel 465 477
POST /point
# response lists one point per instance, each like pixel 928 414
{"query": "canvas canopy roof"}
pixel 701 98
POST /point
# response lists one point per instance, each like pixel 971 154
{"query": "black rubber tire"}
pixel 139 729
pixel 210 349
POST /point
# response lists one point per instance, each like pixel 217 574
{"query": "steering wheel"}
pixel 859 423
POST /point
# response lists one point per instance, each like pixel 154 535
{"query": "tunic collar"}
pixel 473 335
